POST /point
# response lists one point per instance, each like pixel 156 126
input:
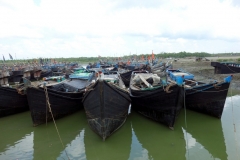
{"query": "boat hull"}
pixel 106 108
pixel 11 102
pixel 221 68
pixel 62 104
pixel 158 105
pixel 207 99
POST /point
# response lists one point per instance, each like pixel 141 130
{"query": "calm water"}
pixel 196 137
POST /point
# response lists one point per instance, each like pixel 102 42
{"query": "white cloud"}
pixel 58 28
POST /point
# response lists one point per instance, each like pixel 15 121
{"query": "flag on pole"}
pixel 3 58
pixel 10 56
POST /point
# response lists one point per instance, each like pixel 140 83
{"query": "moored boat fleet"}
pixel 107 93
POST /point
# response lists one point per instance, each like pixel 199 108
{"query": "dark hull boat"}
pixel 159 103
pixel 64 99
pixel 127 76
pixel 225 68
pixel 106 106
pixel 11 102
pixel 47 73
pixel 16 76
pixel 160 69
pixel 207 98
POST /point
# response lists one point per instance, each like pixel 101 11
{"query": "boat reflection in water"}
pixel 46 141
pixel 115 148
pixel 16 140
pixel 204 137
pixel 75 149
pixel 157 141
pixel 231 126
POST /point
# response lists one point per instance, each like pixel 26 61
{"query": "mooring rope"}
pixel 50 110
pixel 234 125
pixel 185 120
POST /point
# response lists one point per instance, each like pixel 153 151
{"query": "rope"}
pixel 234 125
pixel 50 110
pixel 168 87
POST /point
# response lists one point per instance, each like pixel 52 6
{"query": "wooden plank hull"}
pixel 62 104
pixel 16 76
pixel 207 99
pixel 11 102
pixel 158 105
pixel 106 108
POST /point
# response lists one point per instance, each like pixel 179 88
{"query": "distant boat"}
pixel 65 98
pixel 106 104
pixel 225 67
pixel 126 76
pixel 16 76
pixel 160 68
pixel 208 98
pixel 156 99
pixel 81 73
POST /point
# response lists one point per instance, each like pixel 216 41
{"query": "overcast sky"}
pixel 76 28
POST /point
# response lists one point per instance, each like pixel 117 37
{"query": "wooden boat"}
pixel 161 68
pixel 11 102
pixel 65 98
pixel 81 75
pixel 208 98
pixel 16 76
pixel 46 72
pixel 106 104
pixel 126 76
pixel 27 72
pixel 156 99
pixel 225 67
pixel 36 72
